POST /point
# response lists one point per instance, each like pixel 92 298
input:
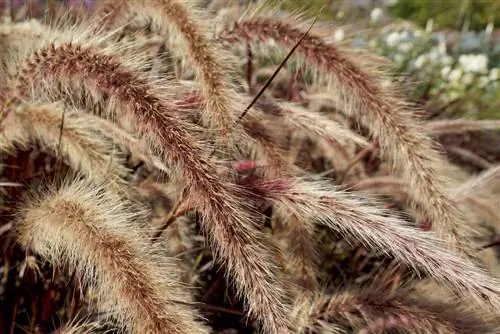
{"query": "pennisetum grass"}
pixel 179 167
pixel 95 233
pixel 369 312
pixel 226 219
pixel 177 19
pixel 381 232
pixel 388 119
pixel 63 133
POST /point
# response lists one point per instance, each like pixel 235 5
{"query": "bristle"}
pixel 401 137
pixel 95 232
pixel 460 125
pixel 371 312
pixel 227 221
pixel 474 184
pixel 380 231
pixel 78 142
pixel 181 16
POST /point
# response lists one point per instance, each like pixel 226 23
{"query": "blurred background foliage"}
pixel 472 14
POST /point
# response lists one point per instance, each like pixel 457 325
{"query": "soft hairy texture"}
pixel 60 132
pixel 379 183
pixel 96 234
pixel 177 19
pixel 379 231
pixel 465 191
pixel 401 137
pixel 486 206
pixel 268 122
pixel 340 156
pixel 266 145
pixel 312 123
pixel 78 327
pixel 259 137
pixel 14 35
pixel 467 156
pixel 127 142
pixel 383 185
pixel 180 241
pixel 487 178
pixel 448 126
pixel 229 223
pixel 296 239
pixel 369 312
pixel 463 194
pixel 152 81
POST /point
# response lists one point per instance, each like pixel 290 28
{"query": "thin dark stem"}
pixel 249 66
pixel 271 78
pixel 168 221
pixel 61 130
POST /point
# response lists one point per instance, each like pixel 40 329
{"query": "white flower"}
pixel 405 34
pixel 442 47
pixel 429 25
pixel 489 29
pixel 376 14
pixel 446 60
pixel 474 63
pixel 421 60
pixel 455 75
pixel 483 81
pixel 468 78
pixel 338 35
pixel 434 54
pixel 494 74
pixel 405 47
pixel 392 39
pixel 445 71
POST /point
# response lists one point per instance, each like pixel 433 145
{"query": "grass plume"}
pixel 96 234
pixel 388 119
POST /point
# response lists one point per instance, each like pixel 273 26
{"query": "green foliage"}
pixel 450 13
pixel 474 14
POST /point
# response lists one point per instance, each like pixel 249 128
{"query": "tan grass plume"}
pixel 97 234
pixel 402 139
